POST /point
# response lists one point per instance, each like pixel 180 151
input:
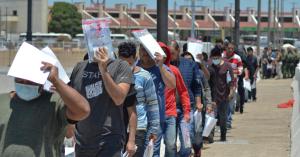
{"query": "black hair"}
pixel 86 57
pixel 187 53
pixel 127 49
pixel 205 56
pixel 219 40
pixel 249 49
pixel 216 52
pixel 184 47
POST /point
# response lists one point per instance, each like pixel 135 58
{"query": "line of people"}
pixel 121 105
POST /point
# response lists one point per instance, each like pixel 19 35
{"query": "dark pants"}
pixel 108 147
pixel 252 93
pixel 140 139
pixel 222 117
pixel 241 93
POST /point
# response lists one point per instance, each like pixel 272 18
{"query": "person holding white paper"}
pixel 105 83
pixel 162 77
pixel 33 122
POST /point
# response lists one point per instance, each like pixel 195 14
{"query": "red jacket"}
pixel 170 94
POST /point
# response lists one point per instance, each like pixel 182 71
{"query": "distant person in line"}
pixel 162 77
pixel 33 122
pixel 193 81
pixel 105 83
pixel 222 87
pixel 237 67
pixel 252 64
pixel 147 104
pixel 171 110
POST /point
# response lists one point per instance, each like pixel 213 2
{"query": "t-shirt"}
pixel 106 118
pixel 32 129
pixel 220 88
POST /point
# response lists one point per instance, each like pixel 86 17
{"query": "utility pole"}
pixel 6 15
pixel 269 21
pixel 237 24
pixel 231 32
pixel 214 14
pixel 174 29
pixel 258 27
pixel 29 21
pixel 193 18
pixel 282 22
pixel 162 20
pixel 274 24
pixel 0 22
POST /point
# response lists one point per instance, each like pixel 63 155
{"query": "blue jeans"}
pixel 184 151
pixel 230 109
pixel 169 135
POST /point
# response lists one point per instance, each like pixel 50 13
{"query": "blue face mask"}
pixel 216 61
pixel 27 92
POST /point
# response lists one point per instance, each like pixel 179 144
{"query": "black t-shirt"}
pixel 106 118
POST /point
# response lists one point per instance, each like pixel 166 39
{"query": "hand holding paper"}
pixel 101 56
pixel 53 76
pixel 159 59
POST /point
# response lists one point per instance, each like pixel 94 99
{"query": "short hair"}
pixel 127 49
pixel 219 40
pixel 249 49
pixel 189 54
pixel 216 52
pixel 175 44
pixel 185 47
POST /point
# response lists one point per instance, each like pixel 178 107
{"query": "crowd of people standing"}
pixel 122 105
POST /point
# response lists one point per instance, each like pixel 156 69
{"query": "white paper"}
pixel 198 121
pixel 97 35
pixel 195 48
pixel 209 125
pixel 149 43
pixel 27 64
pixel 69 150
pixel 61 71
pixel 186 134
pixel 247 85
pixel 253 86
pixel 126 153
pixel 149 149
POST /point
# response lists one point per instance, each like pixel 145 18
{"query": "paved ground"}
pixel 263 130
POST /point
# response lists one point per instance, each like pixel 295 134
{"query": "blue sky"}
pixel 220 4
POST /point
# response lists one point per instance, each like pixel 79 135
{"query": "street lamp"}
pixel 29 21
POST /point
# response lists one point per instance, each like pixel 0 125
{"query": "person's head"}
pixel 127 52
pixel 27 90
pixel 250 51
pixel 230 50
pixel 185 47
pixel 145 58
pixel 167 51
pixel 175 50
pixel 220 43
pixel 205 56
pixel 216 56
pixel 188 55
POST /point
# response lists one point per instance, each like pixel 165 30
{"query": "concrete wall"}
pixel 39 15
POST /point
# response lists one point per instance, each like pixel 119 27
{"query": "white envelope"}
pixel 149 43
pixel 247 85
pixel 195 48
pixel 61 71
pixel 27 64
pixel 209 125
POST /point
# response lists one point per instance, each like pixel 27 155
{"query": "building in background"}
pixel 13 17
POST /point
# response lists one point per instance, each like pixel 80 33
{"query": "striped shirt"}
pixel 147 104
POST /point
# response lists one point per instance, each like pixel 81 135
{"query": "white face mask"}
pixel 216 61
pixel 27 92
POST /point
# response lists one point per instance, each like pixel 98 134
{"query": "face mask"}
pixel 216 61
pixel 27 92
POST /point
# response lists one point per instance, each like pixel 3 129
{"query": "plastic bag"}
pixel 97 35
pixel 210 123
pixel 197 121
pixel 149 149
pixel 186 134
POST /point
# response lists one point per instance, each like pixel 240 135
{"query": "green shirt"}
pixel 32 129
